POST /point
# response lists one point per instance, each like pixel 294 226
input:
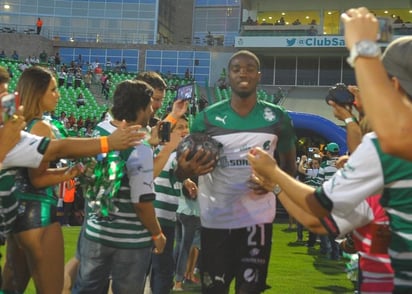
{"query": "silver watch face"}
pixel 277 189
pixel 368 48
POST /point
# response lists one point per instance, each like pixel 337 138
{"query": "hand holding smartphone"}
pixel 9 104
pixel 185 92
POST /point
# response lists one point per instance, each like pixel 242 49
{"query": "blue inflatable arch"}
pixel 322 126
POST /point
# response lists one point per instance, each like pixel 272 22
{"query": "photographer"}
pixel 382 97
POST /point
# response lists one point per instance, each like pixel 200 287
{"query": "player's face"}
pixel 244 76
pixel 51 97
pixel 157 99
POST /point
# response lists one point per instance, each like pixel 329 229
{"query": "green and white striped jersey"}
pixel 123 228
pixel 370 171
pixel 167 189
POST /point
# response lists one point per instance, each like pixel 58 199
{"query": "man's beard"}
pixel 244 94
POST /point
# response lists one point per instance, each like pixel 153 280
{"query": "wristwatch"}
pixel 365 48
pixel 349 120
pixel 277 189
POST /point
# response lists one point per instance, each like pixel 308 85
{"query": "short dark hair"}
pixel 153 79
pixel 4 75
pixel 246 53
pixel 129 97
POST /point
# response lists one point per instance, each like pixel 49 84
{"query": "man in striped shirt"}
pixel 121 244
pixel 328 245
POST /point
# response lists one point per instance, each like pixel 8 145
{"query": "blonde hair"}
pixel 32 86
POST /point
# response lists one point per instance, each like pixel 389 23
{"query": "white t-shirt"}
pixel 26 153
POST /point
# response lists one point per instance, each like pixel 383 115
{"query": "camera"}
pixel 164 131
pixel 340 95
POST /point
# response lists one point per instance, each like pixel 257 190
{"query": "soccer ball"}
pixel 197 141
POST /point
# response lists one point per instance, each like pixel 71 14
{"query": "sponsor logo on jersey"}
pixel 221 119
pixel 224 162
pixel 220 279
pixel 250 275
pixel 266 145
pixel 148 184
pixel 254 251
pixel 269 114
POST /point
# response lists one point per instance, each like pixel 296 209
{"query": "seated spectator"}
pixel 312 31
pixel 222 83
pixel 63 119
pixel 89 131
pixel 94 121
pixel 106 87
pixel 57 60
pixel 78 78
pixel 43 57
pixel 10 72
pixel 398 19
pixel 34 60
pixel 123 67
pixel 80 100
pixel 15 56
pixel 313 22
pixel 53 115
pixel 296 22
pixel 23 66
pixel 80 122
pixel 281 21
pixel 117 67
pixel 108 65
pixel 88 79
pixel 250 21
pixel 61 77
pixel 71 120
pixel 69 79
pixel 88 122
pixel 3 54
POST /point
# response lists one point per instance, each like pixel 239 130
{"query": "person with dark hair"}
pixel 168 189
pixel 120 244
pixel 236 218
pixel 159 90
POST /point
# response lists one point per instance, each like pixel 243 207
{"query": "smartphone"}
pixel 184 92
pixel 9 105
pixel 164 131
pixel 385 29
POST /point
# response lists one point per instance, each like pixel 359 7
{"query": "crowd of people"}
pixel 149 190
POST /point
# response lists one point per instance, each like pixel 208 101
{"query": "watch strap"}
pixel 350 120
pixel 357 50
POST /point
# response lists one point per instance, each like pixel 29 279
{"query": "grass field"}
pixel 292 268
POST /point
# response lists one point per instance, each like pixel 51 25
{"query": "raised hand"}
pixel 125 136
